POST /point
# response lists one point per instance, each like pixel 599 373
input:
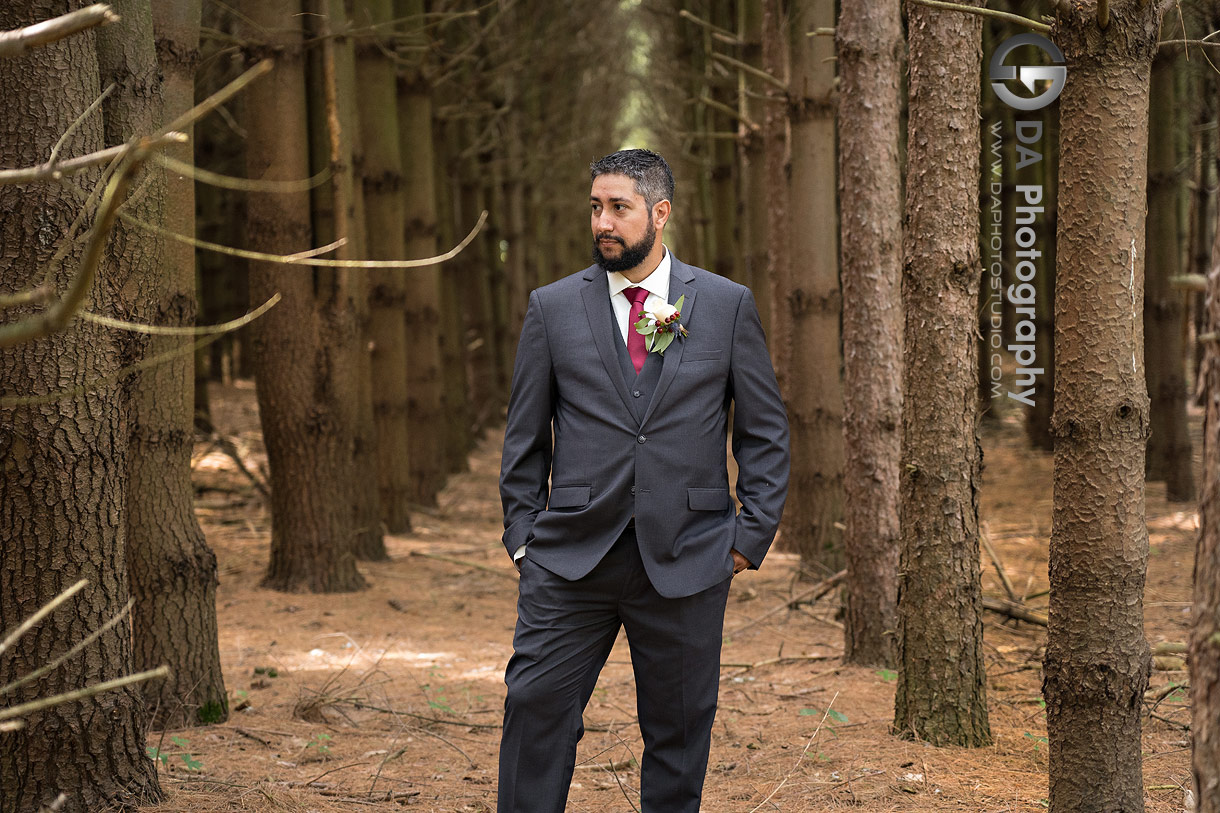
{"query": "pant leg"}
pixel 675 652
pixel 565 631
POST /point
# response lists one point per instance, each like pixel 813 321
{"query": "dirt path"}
pixel 397 691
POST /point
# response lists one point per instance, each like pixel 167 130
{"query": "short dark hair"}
pixel 653 179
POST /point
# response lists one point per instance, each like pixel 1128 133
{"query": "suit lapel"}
pixel 601 321
pixel 680 277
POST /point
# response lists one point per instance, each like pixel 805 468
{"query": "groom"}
pixel 616 496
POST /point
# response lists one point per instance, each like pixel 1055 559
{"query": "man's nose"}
pixel 604 223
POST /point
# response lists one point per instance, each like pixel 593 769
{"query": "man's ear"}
pixel 660 214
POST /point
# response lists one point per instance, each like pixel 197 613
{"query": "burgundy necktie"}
pixel 635 339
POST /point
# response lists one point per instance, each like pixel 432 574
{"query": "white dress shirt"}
pixel 657 285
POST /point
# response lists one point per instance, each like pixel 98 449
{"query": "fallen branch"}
pixel 812 594
pixel 465 563
pixel 999 567
pixel 1013 610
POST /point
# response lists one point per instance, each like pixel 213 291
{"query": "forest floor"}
pixel 392 697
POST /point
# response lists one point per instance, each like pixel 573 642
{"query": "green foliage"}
pixel 887 674
pixel 321 744
pixel 213 711
pixel 188 759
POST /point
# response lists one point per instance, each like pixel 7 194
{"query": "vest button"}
pixel 633 489
pixel 636 393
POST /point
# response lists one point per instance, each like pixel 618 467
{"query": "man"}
pixel 639 530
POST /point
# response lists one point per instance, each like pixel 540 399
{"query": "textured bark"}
pixel 1169 452
pixel 941 693
pixel 63 461
pixel 1097 662
pixel 304 378
pixel 751 160
pixel 384 218
pixel 1204 657
pixel 869 46
pixel 453 332
pixel 338 211
pixel 425 407
pixel 810 307
pixel 1202 215
pixel 172 569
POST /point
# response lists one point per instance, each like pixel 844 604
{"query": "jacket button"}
pixel 636 393
pixel 633 489
pixel 641 439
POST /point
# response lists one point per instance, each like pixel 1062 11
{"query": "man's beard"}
pixel 631 255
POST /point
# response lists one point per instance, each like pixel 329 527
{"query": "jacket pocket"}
pixel 708 499
pixel 702 355
pixel 569 497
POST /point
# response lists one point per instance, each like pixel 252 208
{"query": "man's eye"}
pixel 620 207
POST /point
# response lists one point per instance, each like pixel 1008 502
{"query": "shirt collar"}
pixel 656 283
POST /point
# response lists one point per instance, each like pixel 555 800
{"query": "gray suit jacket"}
pixel 573 417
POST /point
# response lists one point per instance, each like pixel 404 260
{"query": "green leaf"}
pixel 887 674
pixel 662 341
pixel 837 716
pixel 191 763
pixel 678 304
pixel 809 712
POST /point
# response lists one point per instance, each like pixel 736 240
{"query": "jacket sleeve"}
pixel 760 436
pixel 525 466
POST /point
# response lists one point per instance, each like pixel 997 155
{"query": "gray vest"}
pixel 640 386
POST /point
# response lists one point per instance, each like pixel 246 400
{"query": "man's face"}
pixel 623 229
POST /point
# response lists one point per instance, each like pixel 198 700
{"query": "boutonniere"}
pixel 660 325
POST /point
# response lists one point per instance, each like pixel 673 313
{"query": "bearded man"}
pixel 615 488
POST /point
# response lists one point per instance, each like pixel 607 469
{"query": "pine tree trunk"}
pixel 453 331
pixel 942 683
pixel 870 48
pixel 1169 452
pixel 751 159
pixel 338 211
pixel 384 218
pixel 1204 657
pixel 812 303
pixel 425 408
pixel 63 478
pixel 304 379
pixel 172 569
pixel 1097 662
pixel 1038 417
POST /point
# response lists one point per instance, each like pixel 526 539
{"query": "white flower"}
pixel 664 313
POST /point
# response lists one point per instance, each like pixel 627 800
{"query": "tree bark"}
pixel 1097 662
pixel 805 319
pixel 172 569
pixel 304 378
pixel 338 211
pixel 869 46
pixel 63 478
pixel 425 405
pixel 1169 448
pixel 942 684
pixel 384 219
pixel 752 160
pixel 1204 657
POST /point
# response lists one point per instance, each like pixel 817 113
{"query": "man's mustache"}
pixel 618 240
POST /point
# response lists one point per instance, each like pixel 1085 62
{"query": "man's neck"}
pixel 640 272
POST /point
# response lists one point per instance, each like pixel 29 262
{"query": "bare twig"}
pixel 985 12
pixel 46 610
pixel 800 759
pixel 753 71
pixel 999 567
pixel 291 259
pixel 72 128
pixel 170 330
pixel 812 594
pixel 90 638
pixel 53 172
pixel 242 184
pixel 725 34
pixel 731 112
pixel 22 709
pixel 57 316
pixel 18 41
